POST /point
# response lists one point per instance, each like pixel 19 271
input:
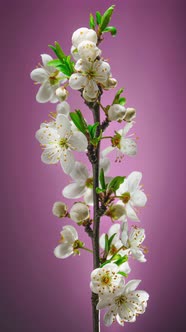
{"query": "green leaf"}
pixel 92 22
pixel 105 263
pixel 98 18
pixel 102 179
pixel 115 257
pixel 99 190
pixel 54 62
pixel 92 129
pixel 122 101
pixel 106 18
pixel 77 119
pixel 117 96
pixel 112 30
pixel 106 244
pixel 60 54
pixel 115 183
pixel 121 260
pixel 82 119
pixel 123 274
pixel 110 240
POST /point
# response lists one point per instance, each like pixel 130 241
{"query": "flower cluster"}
pixel 119 197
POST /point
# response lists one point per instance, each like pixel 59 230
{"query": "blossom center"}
pixel 116 140
pixel 120 300
pixel 53 78
pixel 63 143
pixel 89 183
pixel 125 197
pixel 90 74
pixel 106 279
pixel 113 250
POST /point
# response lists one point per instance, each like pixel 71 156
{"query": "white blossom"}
pixel 133 242
pixel 79 212
pixel 83 182
pixel 106 280
pixel 69 236
pixel 131 194
pixel 49 78
pixel 126 306
pixel 83 34
pixel 58 143
pixel 88 76
pixel 122 143
pixel 59 209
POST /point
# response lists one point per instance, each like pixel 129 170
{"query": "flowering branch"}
pixel 118 198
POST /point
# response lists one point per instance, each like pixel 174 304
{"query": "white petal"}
pixel 104 302
pixel 143 296
pixel 63 251
pixel 39 75
pixel 105 164
pixel 134 180
pixel 72 230
pixel 139 198
pixel 78 141
pixel 44 93
pixel 63 125
pixel 107 150
pixel 45 59
pixel 51 155
pixel 124 234
pixel 120 320
pixel 123 188
pixel 88 196
pixel 67 161
pixel 116 112
pixel 74 53
pixel 63 108
pixel 102 241
pixel 128 146
pixel 83 66
pixel 47 135
pixel 108 318
pixel 131 213
pixel 79 212
pixel 102 69
pixel 131 286
pixel 127 127
pixel 125 268
pixel 114 229
pixel 73 190
pixel 77 81
pixel 80 172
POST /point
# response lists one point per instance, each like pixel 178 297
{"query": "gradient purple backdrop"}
pixel 39 292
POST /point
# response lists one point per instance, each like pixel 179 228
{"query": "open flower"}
pixel 89 75
pixel 106 280
pixel 126 306
pixel 133 242
pixel 122 143
pixel 83 182
pixel 58 142
pixel 49 78
pixel 69 236
pixel 131 195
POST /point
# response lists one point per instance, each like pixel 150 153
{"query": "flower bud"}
pixel 63 108
pixel 130 114
pixel 111 83
pixel 59 209
pixel 116 112
pixel 61 93
pixel 79 212
pixel 82 34
pixel 115 212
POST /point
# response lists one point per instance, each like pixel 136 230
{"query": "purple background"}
pixel 39 292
